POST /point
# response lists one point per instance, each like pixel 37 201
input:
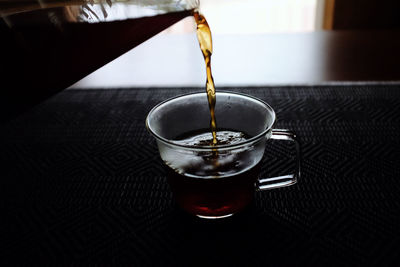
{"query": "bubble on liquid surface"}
pixel 205 139
pixel 218 163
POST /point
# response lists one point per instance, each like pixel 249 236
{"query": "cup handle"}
pixel 285 180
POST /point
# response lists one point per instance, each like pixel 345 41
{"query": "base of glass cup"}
pixel 214 217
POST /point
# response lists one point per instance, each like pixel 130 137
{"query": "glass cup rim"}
pixel 211 147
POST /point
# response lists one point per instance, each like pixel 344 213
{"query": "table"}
pixel 82 184
pixel 256 60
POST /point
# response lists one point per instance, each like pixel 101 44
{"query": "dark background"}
pixel 366 14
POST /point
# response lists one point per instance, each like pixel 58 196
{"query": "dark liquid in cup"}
pixel 213 197
pixel 226 193
pixel 213 184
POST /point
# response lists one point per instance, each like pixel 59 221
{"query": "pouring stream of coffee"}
pixel 205 42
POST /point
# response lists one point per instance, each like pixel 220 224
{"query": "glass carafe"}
pixel 47 45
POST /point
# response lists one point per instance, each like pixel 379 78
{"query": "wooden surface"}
pixel 248 60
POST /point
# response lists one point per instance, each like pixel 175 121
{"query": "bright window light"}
pixel 254 16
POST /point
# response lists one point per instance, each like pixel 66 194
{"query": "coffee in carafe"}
pixel 47 46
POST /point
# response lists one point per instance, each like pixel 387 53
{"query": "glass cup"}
pixel 217 181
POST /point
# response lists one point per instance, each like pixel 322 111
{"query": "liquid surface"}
pixel 205 42
pixel 209 164
pixel 204 139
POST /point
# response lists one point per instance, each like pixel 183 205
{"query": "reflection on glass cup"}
pixel 217 181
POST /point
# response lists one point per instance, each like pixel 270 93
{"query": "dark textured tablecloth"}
pixel 82 183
